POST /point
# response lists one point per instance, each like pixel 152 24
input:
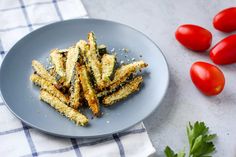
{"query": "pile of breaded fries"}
pixel 84 75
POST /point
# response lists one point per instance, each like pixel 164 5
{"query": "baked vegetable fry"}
pixel 93 61
pixel 58 61
pixel 125 71
pixel 92 44
pixel 72 57
pixel 60 80
pixel 108 65
pixel 62 108
pixel 41 71
pixel 107 92
pixel 103 93
pixel 121 75
pixel 125 91
pixel 88 91
pixel 46 85
pixel 82 46
pixel 75 97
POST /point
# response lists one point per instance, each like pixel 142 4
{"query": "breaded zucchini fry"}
pixel 93 61
pixel 105 92
pixel 88 91
pixel 46 85
pixel 121 76
pixel 108 65
pixel 72 57
pixel 41 71
pixel 92 44
pixel 62 108
pixel 58 61
pixel 75 97
pixel 82 45
pixel 125 71
pixel 122 93
pixel 60 80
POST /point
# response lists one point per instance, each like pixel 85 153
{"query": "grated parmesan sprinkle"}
pixel 113 50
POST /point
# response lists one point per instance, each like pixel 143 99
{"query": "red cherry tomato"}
pixel 207 78
pixel 194 37
pixel 224 52
pixel 225 20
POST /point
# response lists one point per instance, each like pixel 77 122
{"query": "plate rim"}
pixel 84 136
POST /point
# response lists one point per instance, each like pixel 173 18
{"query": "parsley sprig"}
pixel 200 142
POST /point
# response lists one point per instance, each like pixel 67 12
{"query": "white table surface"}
pixel 159 19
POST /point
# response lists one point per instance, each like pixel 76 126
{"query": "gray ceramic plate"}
pixel 22 97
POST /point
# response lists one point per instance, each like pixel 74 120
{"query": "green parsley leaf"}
pixel 181 154
pixel 169 152
pixel 200 142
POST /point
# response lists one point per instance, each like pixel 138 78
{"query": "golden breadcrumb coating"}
pixel 93 61
pixel 58 61
pixel 82 46
pixel 41 71
pixel 72 57
pixel 46 85
pixel 88 91
pixel 121 75
pixel 125 91
pixel 108 65
pixel 75 89
pixel 125 71
pixel 62 108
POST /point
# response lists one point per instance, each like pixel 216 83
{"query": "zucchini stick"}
pixel 105 92
pixel 46 85
pixel 93 61
pixel 82 46
pixel 60 80
pixel 125 71
pixel 72 57
pixel 125 91
pixel 58 61
pixel 92 44
pixel 41 71
pixel 75 97
pixel 108 65
pixel 62 108
pixel 121 75
pixel 88 91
